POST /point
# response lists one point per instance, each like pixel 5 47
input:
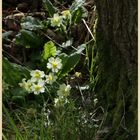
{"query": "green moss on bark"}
pixel 116 76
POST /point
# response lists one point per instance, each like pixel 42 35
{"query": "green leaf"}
pixel 5 35
pixel 76 4
pixel 69 65
pixel 18 91
pixel 64 57
pixel 31 23
pixel 78 11
pixel 49 50
pixel 13 73
pixel 80 48
pixel 28 39
pixel 49 7
pixel 67 43
pixel 77 15
pixel 12 123
pixel 18 99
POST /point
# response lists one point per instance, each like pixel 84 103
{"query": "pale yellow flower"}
pixel 64 90
pixel 50 78
pixel 54 64
pixel 39 87
pixel 26 85
pixel 59 102
pixel 23 83
pixel 56 21
pixel 95 101
pixel 36 75
pixel 66 14
pixel 78 74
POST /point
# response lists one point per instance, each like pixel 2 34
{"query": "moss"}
pixel 116 88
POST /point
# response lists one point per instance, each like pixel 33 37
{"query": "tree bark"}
pixel 116 62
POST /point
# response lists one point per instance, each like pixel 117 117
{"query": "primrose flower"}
pixel 60 101
pixel 54 64
pixel 37 74
pixel 50 78
pixel 39 87
pixel 78 74
pixel 56 21
pixel 26 85
pixel 66 14
pixel 23 83
pixel 64 90
pixel 95 101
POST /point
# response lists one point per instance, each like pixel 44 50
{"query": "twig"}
pixel 21 15
pixel 77 50
pixel 83 100
pixel 52 40
pixel 88 29
pixel 59 44
pixel 105 115
pixel 13 57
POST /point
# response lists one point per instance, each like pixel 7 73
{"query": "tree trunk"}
pixel 116 61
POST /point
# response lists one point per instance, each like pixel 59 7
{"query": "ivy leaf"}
pixel 49 50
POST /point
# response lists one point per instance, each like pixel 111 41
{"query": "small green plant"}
pixel 44 99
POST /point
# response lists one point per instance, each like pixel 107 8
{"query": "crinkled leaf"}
pixel 28 39
pixel 13 73
pixel 49 50
pixel 31 23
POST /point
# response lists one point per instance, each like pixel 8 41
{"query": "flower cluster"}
pixel 58 20
pixel 36 83
pixel 39 79
pixel 63 92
